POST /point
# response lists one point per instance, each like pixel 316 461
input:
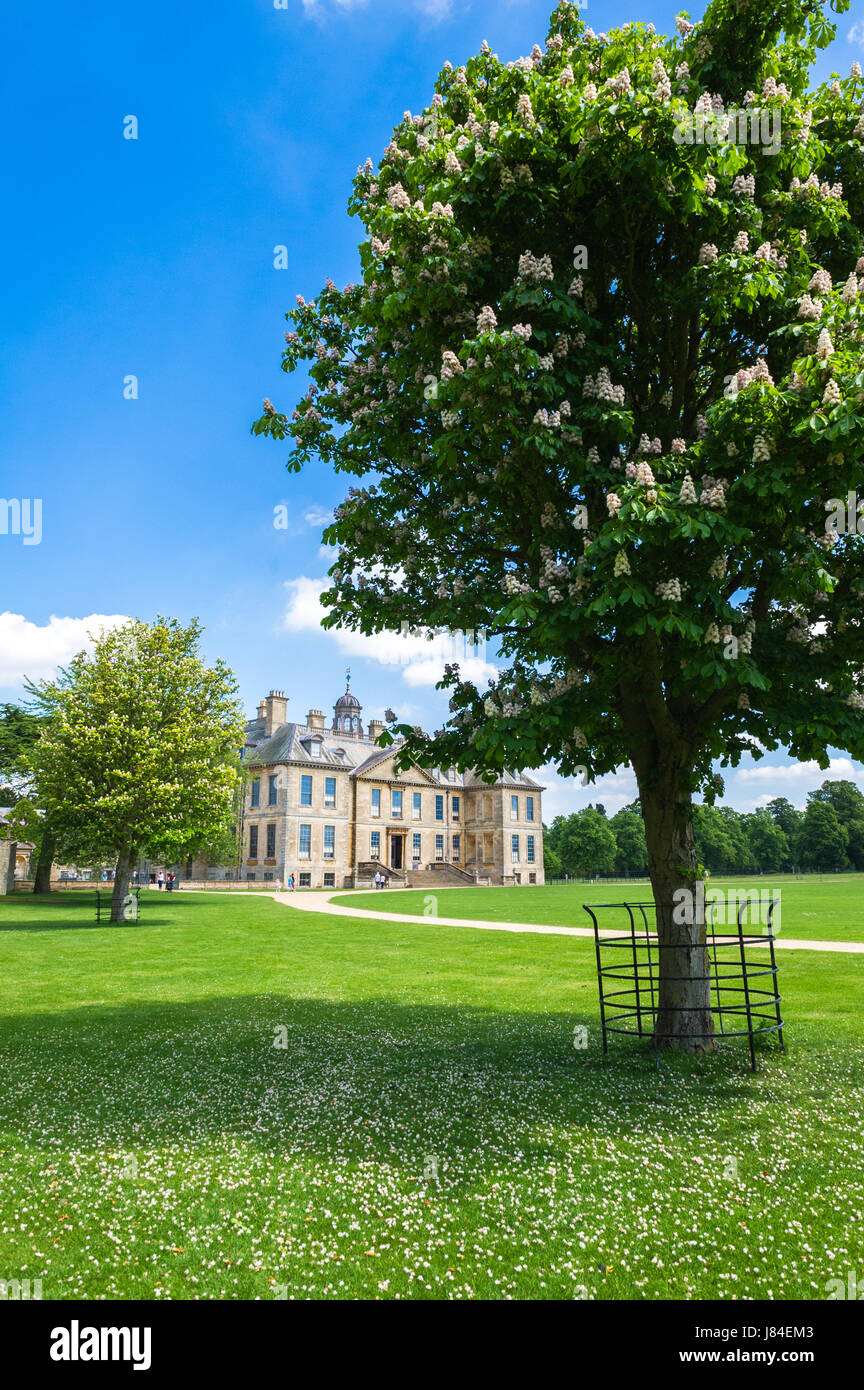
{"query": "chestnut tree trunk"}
pixel 122 879
pixel 684 1000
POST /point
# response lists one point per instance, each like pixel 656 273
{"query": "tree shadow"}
pixel 70 913
pixel 369 1080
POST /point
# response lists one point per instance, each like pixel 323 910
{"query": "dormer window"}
pixel 312 746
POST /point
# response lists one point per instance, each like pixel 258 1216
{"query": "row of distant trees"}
pixel 778 838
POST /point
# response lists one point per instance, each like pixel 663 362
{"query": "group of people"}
pixel 168 883
pixel 380 879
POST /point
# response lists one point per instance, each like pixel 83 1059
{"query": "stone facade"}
pixel 327 805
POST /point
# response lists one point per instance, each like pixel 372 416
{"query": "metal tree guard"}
pixel 632 1010
pixel 104 909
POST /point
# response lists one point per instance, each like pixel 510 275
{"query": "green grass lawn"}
pixel 156 1144
pixel 830 908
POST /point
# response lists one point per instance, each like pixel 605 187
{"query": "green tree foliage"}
pixel 551 862
pixel 768 844
pixel 788 819
pixel 588 845
pixel 823 838
pixel 20 731
pixel 598 382
pixel 848 802
pixel 631 853
pixel 140 752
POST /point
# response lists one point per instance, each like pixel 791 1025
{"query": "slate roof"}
pixel 287 744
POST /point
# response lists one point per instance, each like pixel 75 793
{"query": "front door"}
pixel 396 852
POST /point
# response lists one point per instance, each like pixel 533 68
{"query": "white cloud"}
pixel 799 773
pixel 856 33
pixel 792 780
pixel 318 516
pixel 422 661
pixel 564 795
pixel 26 649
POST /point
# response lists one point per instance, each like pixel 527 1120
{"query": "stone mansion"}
pixel 328 806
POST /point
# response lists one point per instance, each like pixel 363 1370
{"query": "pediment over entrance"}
pixel 380 768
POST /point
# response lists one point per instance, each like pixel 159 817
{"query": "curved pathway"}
pixel 319 901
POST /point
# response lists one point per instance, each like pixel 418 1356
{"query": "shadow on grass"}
pixel 350 1079
pixel 73 913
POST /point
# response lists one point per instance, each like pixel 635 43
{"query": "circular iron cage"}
pixel 742 974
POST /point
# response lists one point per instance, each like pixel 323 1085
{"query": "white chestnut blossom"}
pixel 532 269
pixel 820 281
pixel 486 320
pixel 809 308
pixel 670 589
pixel 601 388
pixel 831 394
pixel 713 492
pixel 398 198
pixel 622 564
pixel 761 450
pixel 707 253
pixel 524 111
pixel 687 494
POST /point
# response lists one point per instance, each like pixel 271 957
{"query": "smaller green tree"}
pixel 140 751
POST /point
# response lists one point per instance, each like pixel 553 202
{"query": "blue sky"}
pixel 153 258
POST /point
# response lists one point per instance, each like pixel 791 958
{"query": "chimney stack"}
pixel 376 726
pixel 315 720
pixel 275 710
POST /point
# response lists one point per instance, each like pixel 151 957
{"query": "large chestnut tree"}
pixel 599 385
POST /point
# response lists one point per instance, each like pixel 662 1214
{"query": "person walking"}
pixel 172 878
pixel 160 881
pixel 291 883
